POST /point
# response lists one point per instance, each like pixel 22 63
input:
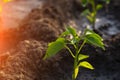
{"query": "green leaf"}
pixel 85 12
pixel 99 6
pixel 94 40
pixel 72 31
pixel 75 40
pixel 88 31
pixel 64 34
pixel 90 18
pixel 86 65
pixel 69 30
pixel 55 47
pixel 107 1
pixel 92 14
pixel 76 72
pixel 91 2
pixel 82 56
pixel 84 3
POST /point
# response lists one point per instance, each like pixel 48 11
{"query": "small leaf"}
pixel 94 40
pixel 55 47
pixel 107 1
pixel 90 18
pixel 86 65
pixel 84 3
pixel 99 6
pixel 64 34
pixel 72 31
pixel 82 56
pixel 92 14
pixel 88 31
pixel 76 72
pixel 91 2
pixel 85 12
pixel 75 40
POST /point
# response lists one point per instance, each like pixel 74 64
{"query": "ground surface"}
pixel 22 48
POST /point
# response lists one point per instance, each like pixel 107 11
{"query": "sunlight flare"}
pixel 3 2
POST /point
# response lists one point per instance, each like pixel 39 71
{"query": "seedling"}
pixel 92 13
pixel 88 36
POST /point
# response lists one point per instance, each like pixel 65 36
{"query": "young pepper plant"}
pixel 62 42
pixel 92 13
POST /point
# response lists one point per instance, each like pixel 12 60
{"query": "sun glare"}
pixel 3 2
pixel 2 42
pixel 0 8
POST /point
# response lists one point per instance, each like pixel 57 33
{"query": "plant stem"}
pixel 75 65
pixel 81 46
pixel 70 51
pixel 94 16
pixel 76 59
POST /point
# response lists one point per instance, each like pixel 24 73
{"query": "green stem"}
pixel 75 46
pixel 75 62
pixel 95 13
pixel 70 51
pixel 81 46
pixel 76 59
pixel 75 65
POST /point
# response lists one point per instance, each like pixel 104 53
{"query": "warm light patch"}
pixel 6 1
pixel 3 2
pixel 2 39
pixel 0 8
